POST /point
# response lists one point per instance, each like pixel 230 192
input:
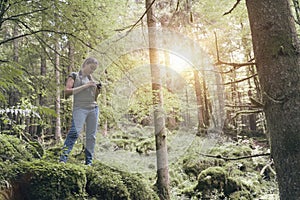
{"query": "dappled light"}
pixel 151 100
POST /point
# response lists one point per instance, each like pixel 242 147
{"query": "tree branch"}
pixel 234 65
pixel 241 80
pixel 247 112
pixel 234 6
pixel 139 20
pixel 239 106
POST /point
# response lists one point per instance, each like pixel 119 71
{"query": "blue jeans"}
pixel 79 118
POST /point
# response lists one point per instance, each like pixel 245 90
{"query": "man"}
pixel 85 109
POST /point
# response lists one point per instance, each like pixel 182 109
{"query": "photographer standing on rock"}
pixel 85 109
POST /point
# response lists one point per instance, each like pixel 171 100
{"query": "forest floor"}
pixel 189 157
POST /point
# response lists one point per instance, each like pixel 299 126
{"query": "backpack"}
pixel 73 75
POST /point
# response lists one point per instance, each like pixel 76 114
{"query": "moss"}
pixel 216 180
pixel 107 183
pixel 137 188
pixel 193 165
pixel 13 149
pixel 241 195
pixel 43 180
pixel 232 150
pixel 212 178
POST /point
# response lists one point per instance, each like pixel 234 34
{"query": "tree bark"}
pixel 200 106
pixel 159 118
pixel 14 95
pixel 276 51
pixel 57 98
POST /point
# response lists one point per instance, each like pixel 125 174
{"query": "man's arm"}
pixel 69 90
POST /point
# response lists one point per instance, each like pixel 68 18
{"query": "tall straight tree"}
pixel 276 50
pixel 159 118
pixel 57 97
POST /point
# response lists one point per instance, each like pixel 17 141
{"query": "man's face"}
pixel 89 69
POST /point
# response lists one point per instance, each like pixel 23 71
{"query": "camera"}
pixel 99 85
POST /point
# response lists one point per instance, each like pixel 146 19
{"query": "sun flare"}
pixel 178 64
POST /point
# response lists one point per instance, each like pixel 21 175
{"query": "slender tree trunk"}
pixel 199 97
pixel 71 67
pixel 159 118
pixel 206 104
pixel 43 68
pixel 276 51
pixel 105 102
pixel 252 118
pixel 171 123
pixel 57 97
pixel 14 95
pixel 43 74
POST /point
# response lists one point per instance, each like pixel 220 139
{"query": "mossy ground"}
pixel 44 178
pixel 34 173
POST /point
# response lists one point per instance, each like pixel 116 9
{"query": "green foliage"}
pixel 141 105
pixel 11 79
pixel 216 178
pixel 13 149
pixel 16 120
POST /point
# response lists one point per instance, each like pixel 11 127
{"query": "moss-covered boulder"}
pixel 47 180
pixel 107 183
pixel 193 165
pixel 212 178
pixel 217 179
pixel 25 174
pixel 44 180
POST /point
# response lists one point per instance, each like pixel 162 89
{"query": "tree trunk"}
pixel 207 108
pixel 276 51
pixel 199 97
pixel 14 95
pixel 43 74
pixel 159 120
pixel 57 98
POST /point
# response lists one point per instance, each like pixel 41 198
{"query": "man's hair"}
pixel 90 60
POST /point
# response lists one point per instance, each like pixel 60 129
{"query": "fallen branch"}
pixel 238 158
pixel 268 166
